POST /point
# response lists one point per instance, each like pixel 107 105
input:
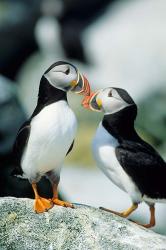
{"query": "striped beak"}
pixel 81 85
pixel 91 102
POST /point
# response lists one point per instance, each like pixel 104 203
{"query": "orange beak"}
pixel 86 87
pixel 81 86
pixel 90 102
pixel 86 101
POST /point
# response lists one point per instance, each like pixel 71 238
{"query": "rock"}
pixel 81 228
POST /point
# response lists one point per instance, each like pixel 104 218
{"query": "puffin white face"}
pixel 66 77
pixel 109 101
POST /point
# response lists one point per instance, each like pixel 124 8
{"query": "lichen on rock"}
pixel 83 228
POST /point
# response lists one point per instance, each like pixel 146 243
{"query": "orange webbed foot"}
pixel 58 202
pixel 42 205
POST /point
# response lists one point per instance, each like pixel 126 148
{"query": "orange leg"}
pixel 125 213
pixel 58 202
pixel 41 204
pixel 152 218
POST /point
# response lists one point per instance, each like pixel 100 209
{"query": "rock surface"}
pixel 82 228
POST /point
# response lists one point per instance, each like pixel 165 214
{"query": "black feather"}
pixel 121 124
pixel 145 166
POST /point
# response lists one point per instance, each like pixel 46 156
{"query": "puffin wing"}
pixel 145 166
pixel 19 146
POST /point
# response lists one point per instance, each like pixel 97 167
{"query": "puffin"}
pixel 47 137
pixel 124 157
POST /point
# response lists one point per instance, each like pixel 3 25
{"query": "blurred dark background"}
pixel 114 43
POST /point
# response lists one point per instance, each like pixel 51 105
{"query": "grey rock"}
pixel 81 228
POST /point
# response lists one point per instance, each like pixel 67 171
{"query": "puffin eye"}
pixel 67 71
pixel 110 93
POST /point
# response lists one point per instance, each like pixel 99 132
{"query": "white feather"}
pixel 104 153
pixel 52 132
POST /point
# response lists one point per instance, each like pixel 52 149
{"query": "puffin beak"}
pixel 81 85
pixel 91 102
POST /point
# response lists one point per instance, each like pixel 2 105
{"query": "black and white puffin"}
pixel 48 135
pixel 131 163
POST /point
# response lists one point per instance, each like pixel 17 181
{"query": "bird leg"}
pixel 41 204
pixel 54 178
pixel 152 218
pixel 55 199
pixel 125 213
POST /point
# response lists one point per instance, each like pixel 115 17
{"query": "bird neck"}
pixel 121 124
pixel 49 94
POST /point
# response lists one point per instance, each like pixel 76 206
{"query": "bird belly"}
pixel 104 153
pixel 52 133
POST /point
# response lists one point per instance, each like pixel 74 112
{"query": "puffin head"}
pixel 110 101
pixel 65 76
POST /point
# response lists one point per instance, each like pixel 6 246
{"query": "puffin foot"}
pixel 123 214
pixel 42 205
pixel 58 202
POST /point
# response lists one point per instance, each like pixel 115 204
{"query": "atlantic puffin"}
pixel 127 160
pixel 48 135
